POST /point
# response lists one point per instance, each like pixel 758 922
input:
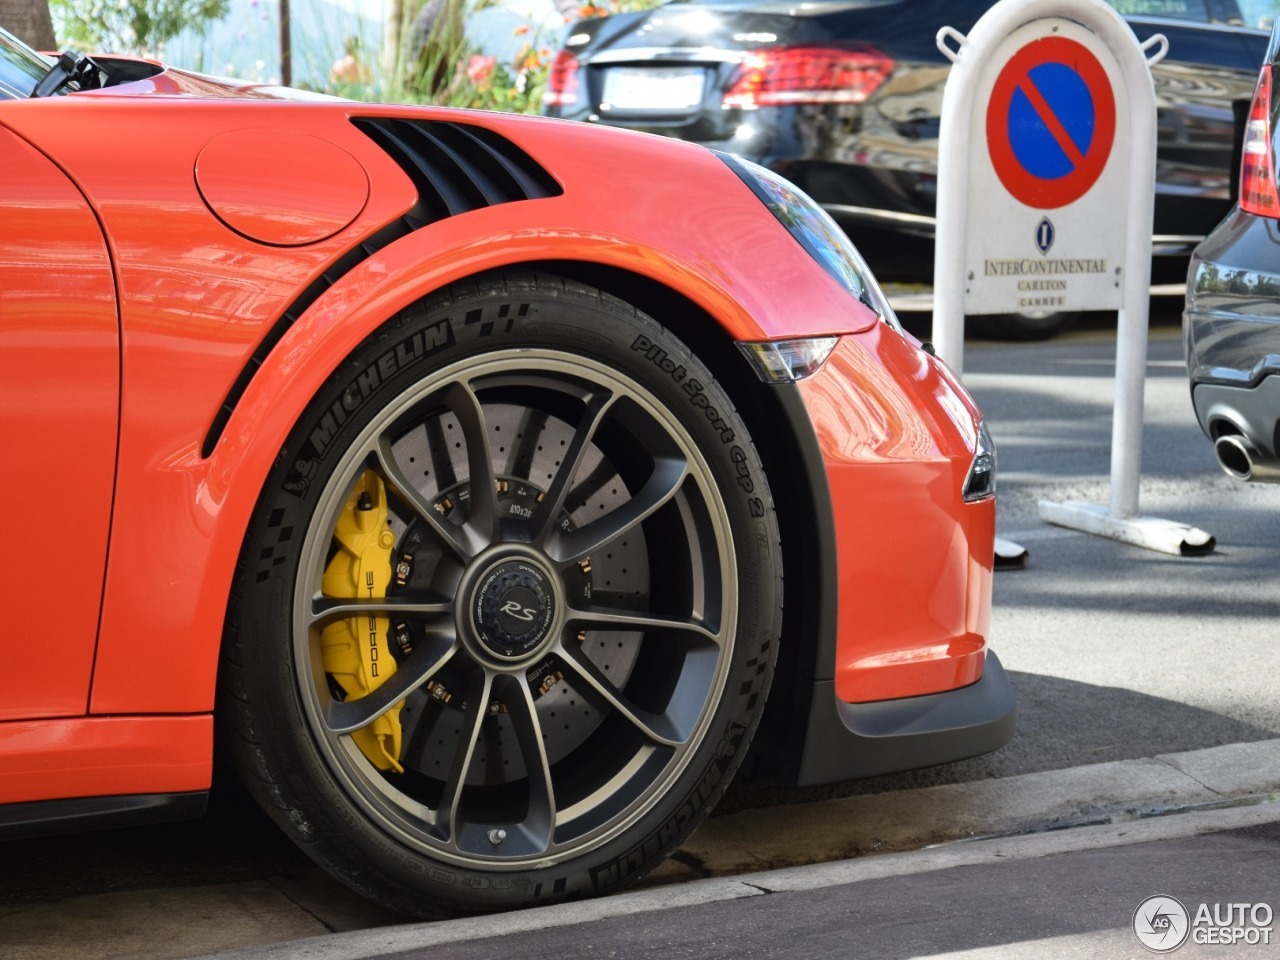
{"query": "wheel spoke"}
pixel 552 505
pixel 659 728
pixel 402 489
pixel 663 484
pixel 482 516
pixel 602 473
pixel 599 618
pixel 346 716
pixel 528 433
pixel 535 831
pixel 439 455
pixel 325 610
pixel 463 754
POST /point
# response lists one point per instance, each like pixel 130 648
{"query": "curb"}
pixel 1033 815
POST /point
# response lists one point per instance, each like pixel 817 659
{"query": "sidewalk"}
pixel 1051 896
pixel 1123 803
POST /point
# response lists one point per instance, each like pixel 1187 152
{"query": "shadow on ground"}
pixel 1061 724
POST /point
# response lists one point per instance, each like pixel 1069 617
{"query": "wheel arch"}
pixel 616 329
pixel 211 500
pixel 801 497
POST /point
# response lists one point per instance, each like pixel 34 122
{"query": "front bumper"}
pixel 901 674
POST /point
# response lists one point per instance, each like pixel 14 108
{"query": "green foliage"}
pixel 435 52
pixel 440 65
pixel 130 26
pixel 483 83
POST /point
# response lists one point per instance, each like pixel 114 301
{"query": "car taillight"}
pixel 1258 166
pixel 562 81
pixel 780 76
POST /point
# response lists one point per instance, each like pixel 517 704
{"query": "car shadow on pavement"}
pixel 235 842
pixel 1061 724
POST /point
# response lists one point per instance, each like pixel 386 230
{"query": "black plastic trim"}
pixel 803 500
pixel 846 741
pixel 820 572
pixel 43 817
pixel 455 167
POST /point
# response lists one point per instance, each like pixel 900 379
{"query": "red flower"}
pixel 480 68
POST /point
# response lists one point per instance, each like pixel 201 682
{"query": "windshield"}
pixel 20 67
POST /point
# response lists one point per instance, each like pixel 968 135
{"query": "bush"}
pixel 442 66
pixel 130 26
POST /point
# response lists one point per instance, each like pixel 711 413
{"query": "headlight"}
pixel 785 361
pixel 981 480
pixel 814 230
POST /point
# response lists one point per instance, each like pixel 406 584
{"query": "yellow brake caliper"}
pixel 356 653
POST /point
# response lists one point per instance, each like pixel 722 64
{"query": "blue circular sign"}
pixel 1066 96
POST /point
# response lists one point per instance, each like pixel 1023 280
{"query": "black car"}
pixel 1232 322
pixel 843 98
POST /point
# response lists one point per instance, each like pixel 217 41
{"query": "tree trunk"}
pixel 286 45
pixel 28 20
pixel 391 78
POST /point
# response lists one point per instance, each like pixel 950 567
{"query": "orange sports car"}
pixel 447 466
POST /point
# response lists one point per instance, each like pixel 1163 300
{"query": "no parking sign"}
pixel 1051 124
pixel 1046 170
pixel 1050 172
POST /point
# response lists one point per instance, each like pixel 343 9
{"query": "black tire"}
pixel 621 667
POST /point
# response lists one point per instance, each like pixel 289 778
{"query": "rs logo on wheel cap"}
pixel 513 610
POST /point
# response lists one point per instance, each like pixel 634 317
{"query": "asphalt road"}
pixel 1018 904
pixel 1115 652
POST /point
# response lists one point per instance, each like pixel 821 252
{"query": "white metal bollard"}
pixel 1009 30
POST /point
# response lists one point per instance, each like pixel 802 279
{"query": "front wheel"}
pixel 507 611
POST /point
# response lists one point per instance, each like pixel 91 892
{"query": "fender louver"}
pixel 458 168
pixel 455 167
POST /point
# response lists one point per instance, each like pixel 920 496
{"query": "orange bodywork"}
pixel 915 562
pixel 141 264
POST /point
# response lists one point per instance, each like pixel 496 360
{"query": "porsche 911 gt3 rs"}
pixel 446 467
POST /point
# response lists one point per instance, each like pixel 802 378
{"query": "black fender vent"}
pixel 456 168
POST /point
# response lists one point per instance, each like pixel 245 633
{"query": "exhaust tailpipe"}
pixel 1241 461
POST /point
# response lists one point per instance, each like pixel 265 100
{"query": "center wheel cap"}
pixel 513 610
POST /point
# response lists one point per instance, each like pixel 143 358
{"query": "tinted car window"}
pixel 1197 10
pixel 1179 9
pixel 20 68
pixel 846 4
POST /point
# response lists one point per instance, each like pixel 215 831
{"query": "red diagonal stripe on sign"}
pixel 1051 121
